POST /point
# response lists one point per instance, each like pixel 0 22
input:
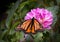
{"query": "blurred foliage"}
pixel 16 13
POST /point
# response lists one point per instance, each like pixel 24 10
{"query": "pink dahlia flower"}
pixel 43 16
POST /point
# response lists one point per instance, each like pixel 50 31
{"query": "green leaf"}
pixel 24 13
pixel 57 38
pixel 15 24
pixel 12 30
pixel 58 1
pixel 22 5
pixel 2 41
pixel 3 34
pixel 54 10
pixel 19 35
pixel 11 12
pixel 38 37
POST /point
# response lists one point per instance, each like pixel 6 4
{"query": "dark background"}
pixel 3 8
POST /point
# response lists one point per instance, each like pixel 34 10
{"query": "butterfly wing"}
pixel 37 25
pixel 33 29
pixel 29 28
pixel 25 25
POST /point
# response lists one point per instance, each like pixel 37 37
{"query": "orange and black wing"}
pixel 29 28
pixel 37 25
pixel 26 25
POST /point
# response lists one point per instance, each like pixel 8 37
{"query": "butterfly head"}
pixel 33 18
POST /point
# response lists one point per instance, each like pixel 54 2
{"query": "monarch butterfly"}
pixel 31 26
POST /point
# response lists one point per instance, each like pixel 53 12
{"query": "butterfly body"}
pixel 31 26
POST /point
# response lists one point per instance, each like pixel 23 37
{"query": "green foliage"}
pixel 54 10
pixel 16 13
pixel 11 12
pixel 38 37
